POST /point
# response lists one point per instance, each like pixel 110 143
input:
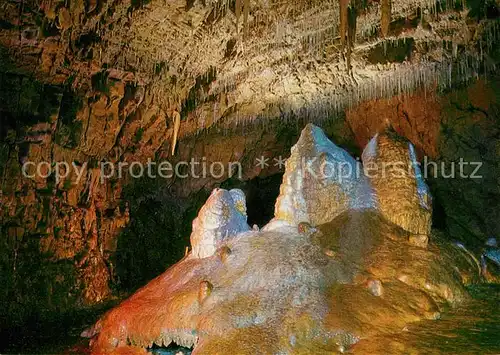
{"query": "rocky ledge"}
pixel 348 258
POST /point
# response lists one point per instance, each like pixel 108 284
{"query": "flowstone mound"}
pixel 318 279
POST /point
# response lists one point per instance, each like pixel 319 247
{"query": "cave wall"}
pixel 60 235
pixel 76 240
pixel 71 243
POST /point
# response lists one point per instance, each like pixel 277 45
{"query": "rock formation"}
pixel 290 57
pixel 346 281
pixel 321 181
pixel 490 261
pixel 40 221
pixel 222 217
pixel 445 129
pixel 81 83
pixel 403 197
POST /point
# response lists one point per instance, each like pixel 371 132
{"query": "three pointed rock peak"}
pixel 322 180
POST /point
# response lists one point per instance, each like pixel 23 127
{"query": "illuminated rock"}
pixel 221 217
pixel 490 261
pixel 292 287
pixel 403 197
pixel 321 181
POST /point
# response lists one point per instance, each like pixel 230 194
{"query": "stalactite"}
pixel 351 33
pixel 385 20
pixel 246 11
pixel 177 125
pixel 238 8
pixel 343 21
pixel 351 25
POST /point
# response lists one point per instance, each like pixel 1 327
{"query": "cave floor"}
pixel 472 328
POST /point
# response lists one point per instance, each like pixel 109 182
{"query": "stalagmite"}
pixel 281 292
pixel 220 218
pixel 403 197
pixel 317 169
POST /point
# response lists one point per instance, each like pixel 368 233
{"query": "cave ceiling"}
pixel 231 61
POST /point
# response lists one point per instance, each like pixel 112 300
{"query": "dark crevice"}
pixel 261 194
pixel 391 51
pixel 199 89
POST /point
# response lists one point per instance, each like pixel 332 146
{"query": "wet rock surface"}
pixel 315 171
pixel 286 288
pixel 402 195
pixel 223 216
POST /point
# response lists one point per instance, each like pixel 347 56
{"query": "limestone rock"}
pixel 490 261
pixel 281 292
pixel 321 181
pixel 375 287
pixel 259 76
pixel 222 216
pixel 419 240
pixel 278 285
pixel 447 128
pixel 64 19
pixel 403 197
pixel 204 291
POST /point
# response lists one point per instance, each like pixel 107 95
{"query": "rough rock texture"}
pixel 490 264
pixel 222 217
pixel 403 197
pixel 315 171
pixel 460 125
pixel 281 290
pixel 205 62
pixel 80 82
pixel 41 222
pixel 85 237
pixel 77 217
